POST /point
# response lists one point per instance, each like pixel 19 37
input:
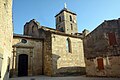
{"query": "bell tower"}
pixel 66 21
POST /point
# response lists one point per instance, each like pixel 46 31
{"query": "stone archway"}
pixel 23 65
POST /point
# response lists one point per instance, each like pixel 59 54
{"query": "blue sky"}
pixel 90 13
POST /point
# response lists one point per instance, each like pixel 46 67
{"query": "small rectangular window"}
pixel 60 19
pixel 70 18
pixel 100 64
pixel 71 26
pixel 112 39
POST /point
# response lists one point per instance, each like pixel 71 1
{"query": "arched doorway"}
pixel 23 65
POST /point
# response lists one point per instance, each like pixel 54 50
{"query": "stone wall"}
pixel 48 54
pixel 111 67
pixel 64 61
pixel 34 49
pixel 99 44
pixel 68 23
pixel 6 33
pixel 31 28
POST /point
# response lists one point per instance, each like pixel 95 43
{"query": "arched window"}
pixel 59 18
pixel 68 45
pixel 70 18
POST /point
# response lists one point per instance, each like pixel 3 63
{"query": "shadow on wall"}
pixel 13 72
pixel 66 71
pixel 71 71
pixel 7 72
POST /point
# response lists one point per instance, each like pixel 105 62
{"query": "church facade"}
pixel 47 51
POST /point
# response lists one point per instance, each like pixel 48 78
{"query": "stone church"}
pixel 46 51
pixel 55 52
